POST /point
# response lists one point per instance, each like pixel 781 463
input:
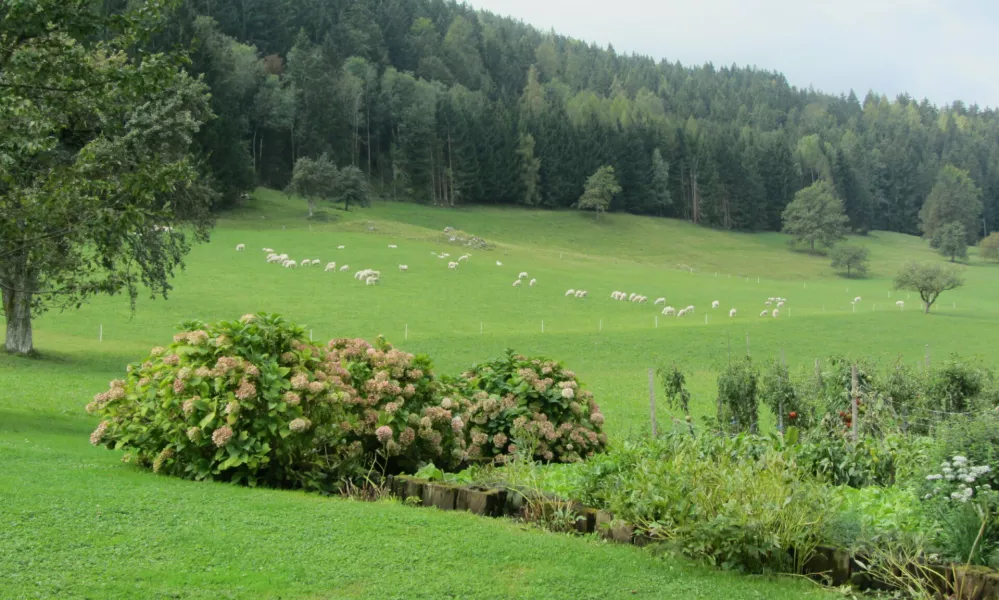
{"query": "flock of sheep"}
pixel 372 277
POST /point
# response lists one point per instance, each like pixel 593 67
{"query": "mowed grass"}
pixel 78 523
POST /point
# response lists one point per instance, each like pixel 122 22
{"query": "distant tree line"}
pixel 438 103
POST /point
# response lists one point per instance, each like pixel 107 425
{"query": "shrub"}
pixel 392 405
pixel 250 401
pixel 738 405
pixel 835 458
pixel 956 385
pixel 240 401
pixel 736 502
pixel 515 399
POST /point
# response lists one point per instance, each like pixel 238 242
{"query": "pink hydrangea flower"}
pixel 222 435
pixel 299 425
pixel 384 433
pixel 98 434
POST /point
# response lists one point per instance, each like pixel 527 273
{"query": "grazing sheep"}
pixel 289 264
pixel 659 301
pixel 306 263
pixel 731 313
pixel 330 267
pixel 393 246
pixel 768 302
pixel 452 265
pixel 715 304
pixel 273 258
pixel 269 250
pixel 533 281
pixel 856 300
pixel 340 247
pixel 569 292
pixel 344 268
pixel 240 247
pixel 776 313
pixel 371 281
pixel 523 275
pixel 765 313
pixel 585 293
pixel 780 304
pixel 499 264
pixel 690 308
pixel 517 283
pixel 900 304
pixel 643 299
pixel 283 256
pixel 669 311
pixel 464 257
pixel 682 313
pixel 404 268
pixel 631 297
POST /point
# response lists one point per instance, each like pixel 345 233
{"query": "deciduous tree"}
pixel 99 192
pixel 816 216
pixel 314 180
pixel 854 259
pixel 600 189
pixel 951 241
pixel 954 197
pixel 928 280
pixel 988 248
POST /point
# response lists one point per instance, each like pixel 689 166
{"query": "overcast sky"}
pixel 943 50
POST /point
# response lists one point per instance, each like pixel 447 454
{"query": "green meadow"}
pixel 77 523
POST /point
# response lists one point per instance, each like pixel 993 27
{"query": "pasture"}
pixel 77 523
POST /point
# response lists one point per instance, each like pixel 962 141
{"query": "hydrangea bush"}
pixel 243 401
pixel 251 401
pixel 530 400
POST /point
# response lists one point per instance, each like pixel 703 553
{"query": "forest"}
pixel 439 103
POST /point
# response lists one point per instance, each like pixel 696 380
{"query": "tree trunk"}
pixel 17 309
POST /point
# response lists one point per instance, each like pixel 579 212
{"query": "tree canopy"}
pixel 855 259
pixel 954 199
pixel 816 216
pixel 988 248
pixel 599 191
pixel 314 180
pixel 928 280
pixel 99 191
pixel 951 241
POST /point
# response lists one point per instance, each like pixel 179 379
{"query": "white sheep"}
pixel 690 308
pixel 340 247
pixel 578 294
pixel 464 257
pixel 585 293
pixel 643 299
pixel 330 267
pixel 523 275
pixel 316 262
pixel 856 300
pixel 659 301
pixel 569 292
pixel 715 304
pixel 344 268
pixel 240 247
pixel 269 250
pixel 533 281
pixel 776 313
pixel 518 282
pixel 273 258
pixel 283 256
pixel 499 264
pixel 452 265
pixel 404 268
pixel 306 263
pixel 731 313
pixel 393 246
pixel 765 313
pixel 780 304
pixel 631 297
pixel 682 313
pixel 669 311
pixel 290 264
pixel 371 281
pixel 900 304
pixel 768 302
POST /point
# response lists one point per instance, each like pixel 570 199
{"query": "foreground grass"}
pixel 76 523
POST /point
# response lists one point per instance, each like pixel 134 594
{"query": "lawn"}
pixel 78 523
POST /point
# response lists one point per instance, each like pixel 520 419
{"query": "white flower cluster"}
pixel 960 475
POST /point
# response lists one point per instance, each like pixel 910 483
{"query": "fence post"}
pixel 926 357
pixel 747 344
pixel 406 335
pixel 100 334
pixel 780 403
pixel 652 402
pixel 856 399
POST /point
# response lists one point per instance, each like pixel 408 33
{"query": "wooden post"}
pixel 747 343
pixel 542 325
pixel 100 334
pixel 652 402
pixel 856 398
pixel 926 357
pixel 601 326
pixel 406 335
pixel 780 404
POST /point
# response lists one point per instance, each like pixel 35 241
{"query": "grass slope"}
pixel 77 523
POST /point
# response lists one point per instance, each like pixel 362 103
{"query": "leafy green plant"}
pixel 515 396
pixel 738 402
pixel 777 390
pixel 251 401
pixel 839 460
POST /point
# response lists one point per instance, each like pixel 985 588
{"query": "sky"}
pixel 943 50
